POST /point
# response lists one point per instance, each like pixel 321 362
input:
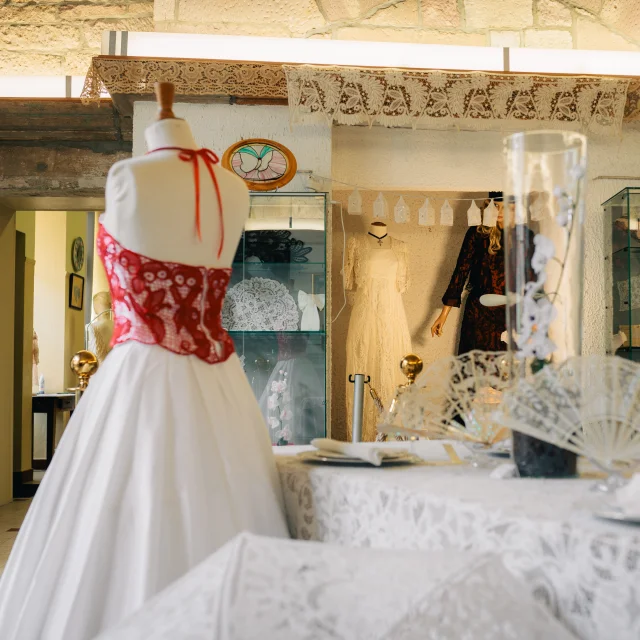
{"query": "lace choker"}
pixel 378 238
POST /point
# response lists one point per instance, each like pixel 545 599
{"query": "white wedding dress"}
pixel 167 456
pixel 378 336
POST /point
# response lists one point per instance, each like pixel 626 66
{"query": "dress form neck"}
pixel 171 132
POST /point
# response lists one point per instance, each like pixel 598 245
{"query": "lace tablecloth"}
pixel 258 588
pixel 587 571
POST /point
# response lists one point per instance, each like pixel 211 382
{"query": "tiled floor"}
pixel 11 517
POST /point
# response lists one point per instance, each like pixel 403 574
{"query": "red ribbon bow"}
pixel 209 158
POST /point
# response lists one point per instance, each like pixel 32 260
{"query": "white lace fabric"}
pixel 263 588
pixel 448 99
pixel 391 97
pixel 585 571
pixel 378 336
pixel 99 338
pixel 259 304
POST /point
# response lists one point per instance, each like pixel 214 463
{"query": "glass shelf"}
pixel 267 266
pixel 286 369
pixel 284 333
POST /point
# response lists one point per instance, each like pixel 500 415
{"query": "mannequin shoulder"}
pixel 119 182
pixel 232 183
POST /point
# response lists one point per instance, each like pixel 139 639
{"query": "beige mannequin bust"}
pixel 150 202
pixel 99 331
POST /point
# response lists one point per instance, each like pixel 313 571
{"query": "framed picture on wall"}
pixel 265 165
pixel 76 291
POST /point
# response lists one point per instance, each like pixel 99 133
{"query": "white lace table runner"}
pixel 585 570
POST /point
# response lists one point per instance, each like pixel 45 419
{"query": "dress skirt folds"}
pixel 166 458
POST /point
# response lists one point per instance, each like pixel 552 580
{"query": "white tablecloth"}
pixel 258 588
pixel 586 570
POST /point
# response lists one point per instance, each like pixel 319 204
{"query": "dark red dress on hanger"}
pixel 482 273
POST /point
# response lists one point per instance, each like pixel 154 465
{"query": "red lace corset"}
pixel 176 306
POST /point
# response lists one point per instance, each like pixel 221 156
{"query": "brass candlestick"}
pixel 84 364
pixel 411 366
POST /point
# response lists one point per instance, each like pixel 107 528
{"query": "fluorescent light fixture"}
pixel 302 51
pixel 575 62
pixel 351 53
pixel 41 86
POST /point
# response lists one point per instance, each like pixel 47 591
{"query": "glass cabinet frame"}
pixel 275 311
pixel 622 214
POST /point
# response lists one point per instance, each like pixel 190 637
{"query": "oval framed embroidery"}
pixel 263 164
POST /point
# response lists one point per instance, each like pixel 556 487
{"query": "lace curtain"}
pixel 388 97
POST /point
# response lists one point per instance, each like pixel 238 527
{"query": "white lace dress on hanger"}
pixel 378 336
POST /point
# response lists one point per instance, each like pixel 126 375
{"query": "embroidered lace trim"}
pixel 390 97
pixel 443 99
pixel 173 305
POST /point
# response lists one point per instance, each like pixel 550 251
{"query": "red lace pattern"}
pixel 173 305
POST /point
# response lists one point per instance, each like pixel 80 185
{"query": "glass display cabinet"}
pixel 622 211
pixel 275 312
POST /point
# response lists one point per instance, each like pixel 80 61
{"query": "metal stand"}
pixel 358 382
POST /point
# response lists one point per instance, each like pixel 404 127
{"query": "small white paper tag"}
pixel 538 209
pixel 491 215
pixel 446 215
pixel 401 211
pixel 474 215
pixel 426 214
pixel 355 203
pixel 380 207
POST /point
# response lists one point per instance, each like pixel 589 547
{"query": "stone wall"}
pixel 51 37
pixel 58 37
pixel 580 24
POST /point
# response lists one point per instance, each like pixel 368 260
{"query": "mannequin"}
pixel 100 330
pixel 378 230
pixel 481 262
pixel 167 456
pixel 378 336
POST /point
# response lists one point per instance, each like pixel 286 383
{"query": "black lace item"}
pixel 272 246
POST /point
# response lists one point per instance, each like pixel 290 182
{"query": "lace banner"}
pixel 388 97
pixel 136 76
pixel 632 108
pixel 461 100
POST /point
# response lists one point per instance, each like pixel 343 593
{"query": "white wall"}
pixel 218 126
pixel 50 291
pixel 472 161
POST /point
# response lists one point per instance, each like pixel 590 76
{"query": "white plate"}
pixel 327 457
pixel 617 515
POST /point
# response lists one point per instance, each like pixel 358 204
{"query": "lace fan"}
pixel 589 405
pixel 455 398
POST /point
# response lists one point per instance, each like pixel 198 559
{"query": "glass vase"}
pixel 544 248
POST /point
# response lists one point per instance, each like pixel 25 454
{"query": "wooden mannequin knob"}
pixel 165 92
